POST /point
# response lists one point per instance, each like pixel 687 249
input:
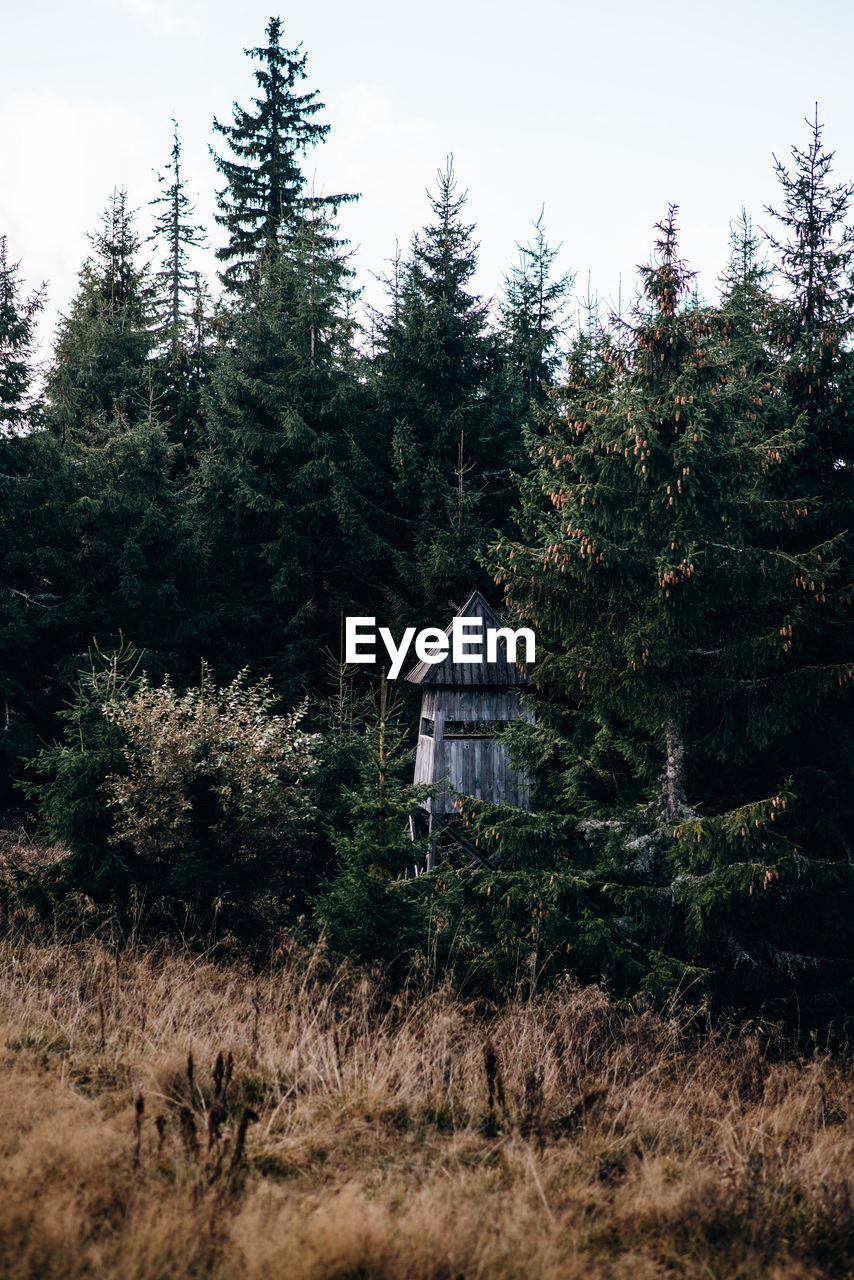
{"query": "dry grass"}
pixel 169 1116
pixel 19 850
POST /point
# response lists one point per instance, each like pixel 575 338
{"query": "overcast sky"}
pixel 602 112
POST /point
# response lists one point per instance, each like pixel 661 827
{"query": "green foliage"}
pixel 265 489
pixel 543 904
pixel 180 308
pixel 137 558
pixel 668 482
pixel 211 803
pixel 697 626
pixel 100 365
pixel 194 801
pixel 233 480
pixel 25 594
pixel 438 397
pixel 264 205
pixel 365 910
pixel 175 233
pixel 69 788
pixel 18 405
pixel 809 328
pixel 533 325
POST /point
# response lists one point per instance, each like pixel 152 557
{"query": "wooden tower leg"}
pixel 431 847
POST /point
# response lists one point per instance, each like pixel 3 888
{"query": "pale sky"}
pixel 603 113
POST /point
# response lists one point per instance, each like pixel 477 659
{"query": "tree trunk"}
pixel 675 803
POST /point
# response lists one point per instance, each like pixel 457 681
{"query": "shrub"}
pixel 211 804
pixel 68 776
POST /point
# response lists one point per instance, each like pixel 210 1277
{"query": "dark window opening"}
pixel 426 727
pixel 474 728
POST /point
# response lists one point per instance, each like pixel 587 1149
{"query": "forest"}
pixel 211 470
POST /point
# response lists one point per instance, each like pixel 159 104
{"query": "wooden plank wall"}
pixel 474 766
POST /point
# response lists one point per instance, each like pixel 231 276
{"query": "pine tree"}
pixel 748 268
pixel 631 521
pixel 181 310
pixel 438 395
pixel 364 910
pixel 134 557
pixel 18 406
pixel 67 777
pixel 746 297
pixel 669 592
pixel 264 204
pixel 175 284
pixel 810 327
pixel 265 493
pixel 129 561
pixel 810 338
pixel 114 554
pixel 28 471
pixel 100 370
pixel 533 321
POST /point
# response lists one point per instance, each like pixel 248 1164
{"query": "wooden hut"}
pixel 464 705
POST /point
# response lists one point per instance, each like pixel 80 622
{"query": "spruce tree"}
pixel 438 395
pixel 810 338
pixel 175 233
pixel 18 315
pixel 28 534
pixel 364 909
pixel 815 253
pixel 181 309
pixel 134 557
pixel 669 590
pixel 100 371
pixel 183 376
pixel 264 203
pixel 265 493
pixel 130 561
pixel 532 320
pixel 67 777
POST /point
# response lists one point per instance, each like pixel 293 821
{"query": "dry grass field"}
pixel 165 1115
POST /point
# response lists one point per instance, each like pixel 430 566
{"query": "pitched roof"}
pixel 470 674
